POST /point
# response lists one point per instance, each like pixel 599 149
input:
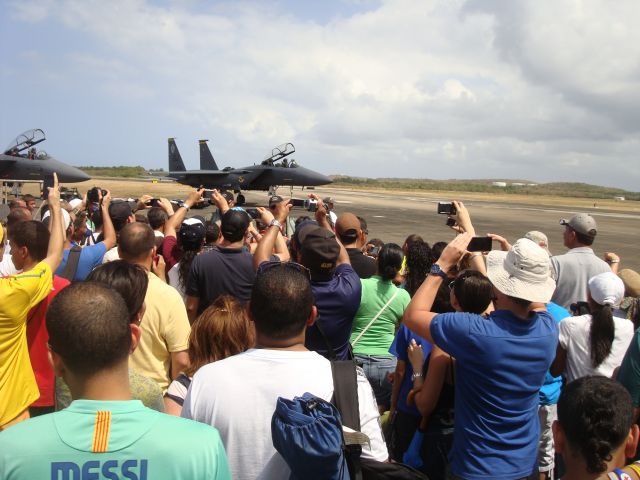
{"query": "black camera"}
pixel 446 208
pixel 93 195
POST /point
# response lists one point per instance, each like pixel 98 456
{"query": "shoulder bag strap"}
pixel 72 263
pixel 364 330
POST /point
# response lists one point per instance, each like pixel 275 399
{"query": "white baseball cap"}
pixel 606 289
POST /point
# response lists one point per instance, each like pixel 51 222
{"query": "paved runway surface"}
pixel 393 216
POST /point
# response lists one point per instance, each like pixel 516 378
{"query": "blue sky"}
pixel 539 90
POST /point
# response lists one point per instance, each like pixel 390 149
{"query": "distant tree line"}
pixel 561 189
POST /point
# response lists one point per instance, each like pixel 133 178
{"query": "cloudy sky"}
pixel 545 90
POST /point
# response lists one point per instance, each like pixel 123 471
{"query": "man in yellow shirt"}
pixel 37 252
pixel 162 353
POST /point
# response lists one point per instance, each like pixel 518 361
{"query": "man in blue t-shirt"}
pixel 90 255
pixel 501 361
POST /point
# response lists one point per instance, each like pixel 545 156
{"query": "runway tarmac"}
pixel 393 216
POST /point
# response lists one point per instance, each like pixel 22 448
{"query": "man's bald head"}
pixel 136 242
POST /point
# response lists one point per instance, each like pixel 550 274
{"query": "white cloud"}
pixel 538 88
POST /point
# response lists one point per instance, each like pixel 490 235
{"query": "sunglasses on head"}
pixel 268 265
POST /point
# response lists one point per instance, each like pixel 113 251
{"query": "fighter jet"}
pixel 274 171
pixel 35 164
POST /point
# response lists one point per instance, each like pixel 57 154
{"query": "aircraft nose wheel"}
pixel 240 200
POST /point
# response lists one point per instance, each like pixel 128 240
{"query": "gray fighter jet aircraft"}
pixel 35 164
pixel 274 171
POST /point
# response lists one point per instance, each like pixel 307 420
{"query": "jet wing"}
pixel 208 173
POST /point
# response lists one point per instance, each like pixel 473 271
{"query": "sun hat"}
pixel 631 280
pixel 606 289
pixel 539 238
pixel 522 272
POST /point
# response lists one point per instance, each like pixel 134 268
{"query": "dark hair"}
pixel 601 333
pixel 136 240
pixel 28 197
pixel 96 217
pixel 19 214
pixel 473 291
pixel 185 264
pixel 16 203
pixel 213 233
pixel 583 238
pixel 157 217
pixel 31 234
pixel 88 325
pixel 302 218
pixel 418 264
pixel 519 301
pixel 414 237
pixel 390 261
pixel 281 302
pixel 596 414
pixel 376 242
pixel 363 224
pixel 129 280
pixel 436 250
pixel 221 331
pixel 442 302
pixel 141 218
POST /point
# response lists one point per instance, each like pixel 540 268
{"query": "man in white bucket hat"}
pixel 501 360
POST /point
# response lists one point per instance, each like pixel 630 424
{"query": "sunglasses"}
pixel 268 265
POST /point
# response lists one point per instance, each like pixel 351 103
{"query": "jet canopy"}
pixel 25 141
pixel 278 155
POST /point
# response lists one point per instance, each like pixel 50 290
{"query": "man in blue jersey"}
pixel 501 361
pixel 104 434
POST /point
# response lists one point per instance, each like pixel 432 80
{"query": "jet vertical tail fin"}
pixel 175 160
pixel 206 159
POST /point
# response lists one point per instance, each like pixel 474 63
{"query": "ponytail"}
pixel 602 334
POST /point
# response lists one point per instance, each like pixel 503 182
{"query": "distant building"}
pixel 619 198
pixel 499 184
pixel 516 184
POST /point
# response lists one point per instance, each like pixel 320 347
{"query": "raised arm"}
pixel 175 220
pixel 418 315
pixel 273 236
pixel 108 232
pixel 56 229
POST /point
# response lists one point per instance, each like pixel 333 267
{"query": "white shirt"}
pixel 238 396
pixel 6 265
pixel 111 255
pixel 575 339
pixel 173 279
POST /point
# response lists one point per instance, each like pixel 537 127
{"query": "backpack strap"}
pixel 364 330
pixel 71 267
pixel 345 392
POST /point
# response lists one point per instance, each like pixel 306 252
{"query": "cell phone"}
pixel 253 213
pixel 373 250
pixel 446 208
pixel 297 202
pixel 480 244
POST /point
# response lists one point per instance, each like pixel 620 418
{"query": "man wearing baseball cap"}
pixel 573 270
pixel 501 360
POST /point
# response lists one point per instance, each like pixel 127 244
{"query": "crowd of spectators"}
pixel 117 317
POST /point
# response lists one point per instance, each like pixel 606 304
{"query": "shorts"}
pixel 377 369
pixel 546 453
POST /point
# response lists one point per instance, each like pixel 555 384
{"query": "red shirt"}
pixel 37 338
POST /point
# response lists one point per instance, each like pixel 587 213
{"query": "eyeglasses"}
pixel 452 284
pixel 268 265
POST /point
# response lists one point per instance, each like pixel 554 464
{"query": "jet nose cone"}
pixel 70 174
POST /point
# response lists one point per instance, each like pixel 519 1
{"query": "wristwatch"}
pixel 275 223
pixel 416 375
pixel 436 270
